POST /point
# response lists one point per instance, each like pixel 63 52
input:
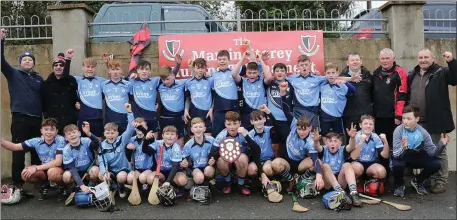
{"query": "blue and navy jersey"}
pixel 116 95
pixel 225 91
pixel 306 90
pixel 81 155
pixel 91 96
pixel 298 148
pixel 336 160
pixel 199 91
pixel 224 134
pixel 333 99
pixel 144 93
pixel 264 140
pixel 369 151
pixel 172 98
pixel 171 154
pixel 198 153
pixel 274 100
pixel 46 152
pixel 142 161
pixel 113 155
pixel 253 94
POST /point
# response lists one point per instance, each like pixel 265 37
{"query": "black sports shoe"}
pixel 43 193
pixel 62 193
pixel 355 200
pixel 420 189
pixel 399 190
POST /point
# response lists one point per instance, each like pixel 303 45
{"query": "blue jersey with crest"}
pixel 298 148
pixel 81 155
pixel 274 100
pixel 116 95
pixel 253 94
pixel 333 99
pixel 46 152
pixel 199 91
pixel 225 91
pixel 198 153
pixel 144 94
pixel 369 151
pixel 336 160
pixel 306 89
pixel 224 134
pixel 172 98
pixel 171 154
pixel 264 141
pixel 415 138
pixel 142 161
pixel 113 155
pixel 90 94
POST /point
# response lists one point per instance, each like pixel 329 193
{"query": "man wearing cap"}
pixel 25 103
pixel 59 92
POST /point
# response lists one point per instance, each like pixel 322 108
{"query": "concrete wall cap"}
pixel 72 6
pixel 388 4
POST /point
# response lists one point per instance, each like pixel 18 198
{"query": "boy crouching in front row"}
pixel 49 149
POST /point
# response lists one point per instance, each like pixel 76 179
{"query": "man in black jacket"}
pixel 24 87
pixel 428 88
pixel 59 93
pixel 360 103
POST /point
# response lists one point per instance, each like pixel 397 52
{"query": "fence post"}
pixel 406 30
pixel 69 30
pixel 238 19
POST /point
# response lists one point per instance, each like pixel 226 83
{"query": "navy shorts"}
pixel 218 122
pixel 366 165
pixel 96 126
pixel 177 122
pixel 197 113
pixel 294 166
pixel 332 126
pixel 153 125
pixel 313 117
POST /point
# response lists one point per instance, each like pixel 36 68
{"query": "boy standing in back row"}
pixel 225 92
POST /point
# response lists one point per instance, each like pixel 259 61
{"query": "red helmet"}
pixel 374 187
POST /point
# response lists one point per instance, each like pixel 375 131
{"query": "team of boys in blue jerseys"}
pixel 302 113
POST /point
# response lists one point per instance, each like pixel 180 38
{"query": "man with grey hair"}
pixel 428 88
pixel 390 88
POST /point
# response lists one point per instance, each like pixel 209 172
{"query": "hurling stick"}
pixel 297 207
pixel 370 202
pixel 153 199
pixel 397 206
pixel 134 197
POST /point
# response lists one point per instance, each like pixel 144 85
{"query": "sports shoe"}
pixel 399 190
pixel 439 188
pixel 145 187
pixel 43 193
pixel 62 193
pixel 227 189
pixel 122 192
pixel 245 190
pixel 355 200
pixel 419 187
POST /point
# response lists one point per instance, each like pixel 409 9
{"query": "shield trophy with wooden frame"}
pixel 230 150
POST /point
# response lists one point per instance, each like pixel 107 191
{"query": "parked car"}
pixel 431 10
pixel 139 12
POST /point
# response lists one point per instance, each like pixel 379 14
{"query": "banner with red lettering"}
pixel 284 47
